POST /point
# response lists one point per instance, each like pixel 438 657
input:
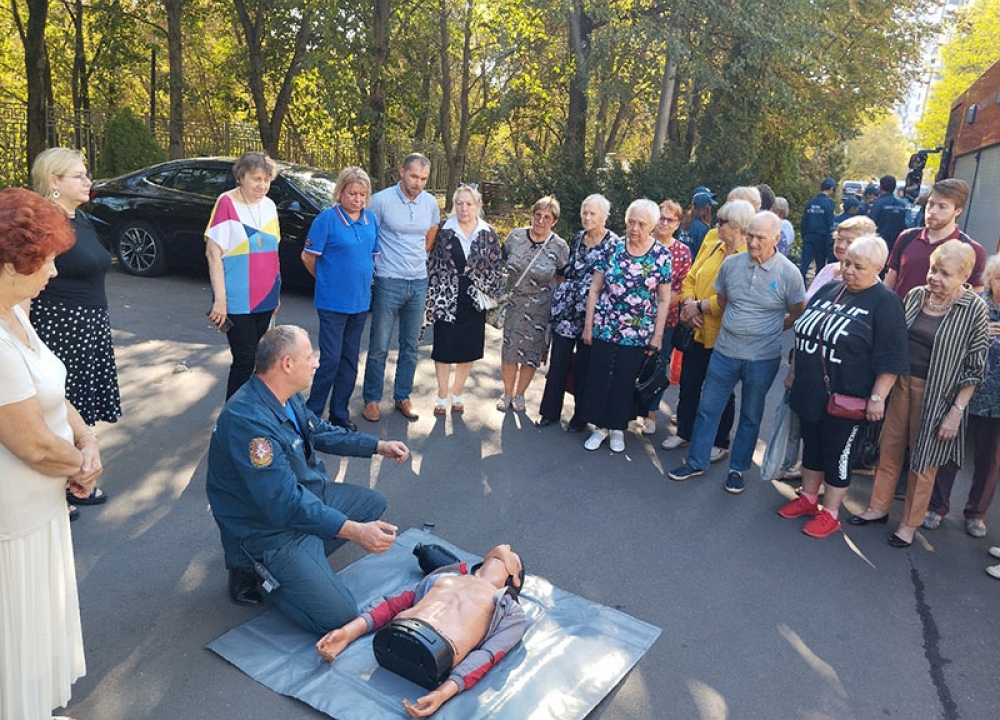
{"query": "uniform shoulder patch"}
pixel 261 452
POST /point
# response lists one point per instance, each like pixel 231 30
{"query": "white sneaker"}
pixel 648 426
pixel 596 438
pixel 673 442
pixel 717 454
pixel 994 571
pixel 995 551
pixel 617 441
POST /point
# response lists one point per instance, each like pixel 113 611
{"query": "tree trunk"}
pixel 455 152
pixel 420 133
pixel 580 28
pixel 269 124
pixel 174 10
pixel 667 85
pixel 376 94
pixel 36 67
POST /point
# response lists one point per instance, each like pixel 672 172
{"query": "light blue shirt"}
pixel 403 225
pixel 757 299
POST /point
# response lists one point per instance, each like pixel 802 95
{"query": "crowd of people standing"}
pixel 899 329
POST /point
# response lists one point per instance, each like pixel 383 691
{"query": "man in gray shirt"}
pixel 762 294
pixel 404 213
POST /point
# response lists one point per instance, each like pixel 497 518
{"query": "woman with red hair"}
pixel 44 444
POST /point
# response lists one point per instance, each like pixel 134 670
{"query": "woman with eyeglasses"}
pixel 680 263
pixel 569 307
pixel 533 255
pixel 700 310
pixel 71 314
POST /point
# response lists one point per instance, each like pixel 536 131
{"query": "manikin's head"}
pixel 502 566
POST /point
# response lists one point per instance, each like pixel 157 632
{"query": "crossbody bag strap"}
pixel 822 327
pixel 533 259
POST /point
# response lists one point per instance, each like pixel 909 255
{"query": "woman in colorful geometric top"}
pixel 242 248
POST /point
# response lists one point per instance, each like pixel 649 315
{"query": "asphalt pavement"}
pixel 759 620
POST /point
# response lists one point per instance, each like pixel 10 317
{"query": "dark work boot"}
pixel 243 587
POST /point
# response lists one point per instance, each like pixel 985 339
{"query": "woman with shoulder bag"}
pixel 463 274
pixel 849 343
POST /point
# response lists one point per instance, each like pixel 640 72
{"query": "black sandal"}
pixel 97 497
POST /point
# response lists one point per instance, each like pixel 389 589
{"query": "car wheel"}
pixel 140 250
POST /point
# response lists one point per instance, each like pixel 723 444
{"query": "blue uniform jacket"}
pixel 889 215
pixel 817 218
pixel 265 482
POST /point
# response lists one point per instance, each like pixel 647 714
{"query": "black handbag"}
pixel 682 338
pixel 653 377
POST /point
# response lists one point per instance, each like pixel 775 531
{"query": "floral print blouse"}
pixel 625 313
pixel 569 304
pixel 680 263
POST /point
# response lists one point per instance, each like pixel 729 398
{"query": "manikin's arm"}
pixel 336 641
pixel 507 633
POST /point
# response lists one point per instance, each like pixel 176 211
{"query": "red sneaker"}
pixel 798 507
pixel 821 526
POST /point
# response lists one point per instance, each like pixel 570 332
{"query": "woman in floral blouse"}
pixel 680 263
pixel 569 307
pixel 626 313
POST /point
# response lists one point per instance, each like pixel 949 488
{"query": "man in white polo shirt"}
pixel 404 213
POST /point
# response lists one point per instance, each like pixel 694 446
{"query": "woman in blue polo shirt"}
pixel 340 252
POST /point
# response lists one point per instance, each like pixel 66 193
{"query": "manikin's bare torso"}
pixel 460 608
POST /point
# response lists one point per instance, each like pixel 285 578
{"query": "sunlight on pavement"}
pixel 711 704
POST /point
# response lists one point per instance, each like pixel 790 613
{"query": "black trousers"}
pixel 567 354
pixel 694 368
pixel 609 398
pixel 243 336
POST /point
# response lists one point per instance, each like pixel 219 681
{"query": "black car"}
pixel 154 219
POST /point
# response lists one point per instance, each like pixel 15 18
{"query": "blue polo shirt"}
pixel 345 252
pixel 403 225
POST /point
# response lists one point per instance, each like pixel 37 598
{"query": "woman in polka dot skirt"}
pixel 71 314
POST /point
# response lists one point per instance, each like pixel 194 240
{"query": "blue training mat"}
pixel 574 652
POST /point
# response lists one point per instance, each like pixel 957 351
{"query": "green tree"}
pixel 971 50
pixel 879 149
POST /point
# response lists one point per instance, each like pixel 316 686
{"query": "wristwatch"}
pixel 875 397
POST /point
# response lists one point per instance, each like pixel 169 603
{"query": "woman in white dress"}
pixel 43 444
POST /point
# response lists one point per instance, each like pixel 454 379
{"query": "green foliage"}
pixel 128 145
pixel 970 51
pixel 879 149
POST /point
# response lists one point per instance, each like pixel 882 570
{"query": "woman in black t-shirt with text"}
pixel 858 326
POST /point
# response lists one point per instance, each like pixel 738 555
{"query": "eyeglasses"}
pixel 670 220
pixel 78 176
pixel 720 222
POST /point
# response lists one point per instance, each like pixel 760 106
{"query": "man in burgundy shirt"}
pixel 911 253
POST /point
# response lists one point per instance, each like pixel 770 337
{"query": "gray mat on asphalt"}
pixel 574 652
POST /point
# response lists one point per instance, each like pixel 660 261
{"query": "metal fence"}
pixel 85 130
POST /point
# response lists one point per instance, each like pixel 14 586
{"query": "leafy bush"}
pixel 128 145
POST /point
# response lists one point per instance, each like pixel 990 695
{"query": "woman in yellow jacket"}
pixel 700 311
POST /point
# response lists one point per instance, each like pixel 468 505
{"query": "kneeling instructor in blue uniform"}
pixel 278 513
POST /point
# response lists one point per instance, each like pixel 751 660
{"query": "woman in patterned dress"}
pixel 680 262
pixel 241 243
pixel 537 254
pixel 569 307
pixel 71 314
pixel 626 313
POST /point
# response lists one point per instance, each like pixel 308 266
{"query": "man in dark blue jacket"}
pixel 888 212
pixel 277 511
pixel 817 226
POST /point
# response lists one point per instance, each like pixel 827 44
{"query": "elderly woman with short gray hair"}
pixel 241 243
pixel 627 310
pixel 850 340
pixel 569 308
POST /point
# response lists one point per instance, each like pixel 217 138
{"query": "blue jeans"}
pixel 394 298
pixel 814 248
pixel 724 372
pixel 339 347
pixel 310 593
